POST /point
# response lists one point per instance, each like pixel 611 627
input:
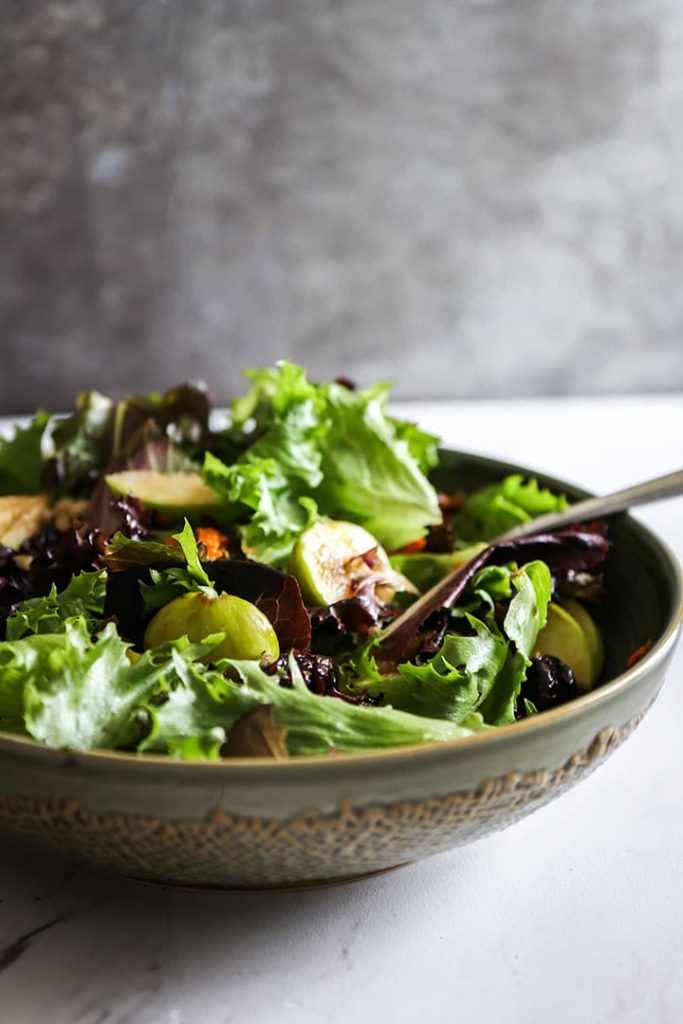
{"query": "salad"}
pixel 173 584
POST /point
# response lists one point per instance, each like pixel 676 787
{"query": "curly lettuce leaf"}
pixel 185 724
pixel 499 507
pixel 194 719
pixel 21 462
pixel 82 597
pixel 70 689
pixel 280 509
pixel 275 477
pixel 323 449
pixel 455 682
pixel 76 691
pixel 274 389
pixel 481 672
pixel 370 475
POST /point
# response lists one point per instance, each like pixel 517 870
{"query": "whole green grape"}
pixel 248 632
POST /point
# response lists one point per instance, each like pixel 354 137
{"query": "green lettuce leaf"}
pixel 526 615
pixel 194 719
pixel 275 478
pixel 369 473
pixel 481 672
pixel 274 389
pixel 493 583
pixel 527 612
pixel 70 689
pixel 422 446
pixel 456 681
pixel 499 507
pixel 187 723
pixel 280 509
pixel 322 449
pixel 427 568
pixel 82 597
pixel 21 463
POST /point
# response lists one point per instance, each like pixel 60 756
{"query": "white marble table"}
pixel 573 915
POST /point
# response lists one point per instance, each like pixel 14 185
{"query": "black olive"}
pixel 549 683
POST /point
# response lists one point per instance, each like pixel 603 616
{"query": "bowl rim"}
pixel 32 749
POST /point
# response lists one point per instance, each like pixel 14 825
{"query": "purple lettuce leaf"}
pixel 566 553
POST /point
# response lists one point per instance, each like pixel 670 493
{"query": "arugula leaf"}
pixel 276 594
pixel 83 596
pixel 123 553
pixel 196 574
pixel 21 462
pixel 498 507
pixel 172 569
pixel 167 584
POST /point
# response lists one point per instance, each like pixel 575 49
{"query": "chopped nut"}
pixel 21 515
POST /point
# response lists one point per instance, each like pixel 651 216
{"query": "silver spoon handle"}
pixel 668 486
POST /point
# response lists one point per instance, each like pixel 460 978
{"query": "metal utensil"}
pixel 669 486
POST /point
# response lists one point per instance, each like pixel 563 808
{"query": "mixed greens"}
pixel 174 585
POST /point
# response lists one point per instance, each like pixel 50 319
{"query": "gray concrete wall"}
pixel 470 196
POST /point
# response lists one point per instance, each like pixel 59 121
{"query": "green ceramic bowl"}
pixel 260 824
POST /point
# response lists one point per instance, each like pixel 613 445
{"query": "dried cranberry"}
pixel 440 538
pixel 319 674
pixel 549 683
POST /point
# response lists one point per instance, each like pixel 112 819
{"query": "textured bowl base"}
pixel 238 853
